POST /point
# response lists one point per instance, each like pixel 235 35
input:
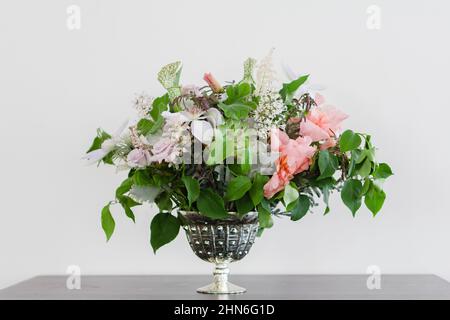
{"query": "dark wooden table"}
pixel 265 287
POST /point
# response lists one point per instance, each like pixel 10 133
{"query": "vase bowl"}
pixel 220 241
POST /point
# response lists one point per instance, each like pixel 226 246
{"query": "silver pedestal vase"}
pixel 220 242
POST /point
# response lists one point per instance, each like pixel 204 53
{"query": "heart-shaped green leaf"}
pixel 237 187
pixel 349 141
pixel 163 229
pixel 192 187
pixel 351 194
pixel 210 204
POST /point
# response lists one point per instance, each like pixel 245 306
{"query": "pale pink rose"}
pixel 162 151
pixel 295 157
pixel 138 158
pixel 322 122
pixel 212 83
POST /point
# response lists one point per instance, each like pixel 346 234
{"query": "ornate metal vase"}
pixel 220 242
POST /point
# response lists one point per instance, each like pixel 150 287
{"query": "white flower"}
pixel 143 104
pixel 266 75
pixel 268 114
pixel 202 123
pixel 107 146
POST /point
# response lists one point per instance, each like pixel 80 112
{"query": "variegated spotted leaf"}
pixel 169 77
pixel 249 66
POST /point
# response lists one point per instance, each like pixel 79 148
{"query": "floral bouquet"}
pixel 230 149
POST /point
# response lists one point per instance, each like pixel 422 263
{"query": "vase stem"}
pixel 221 276
pixel 220 283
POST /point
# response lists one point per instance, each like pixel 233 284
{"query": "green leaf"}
pixel 192 187
pixel 240 168
pixel 244 205
pixel 235 111
pixel 223 146
pixel 351 166
pixel 365 168
pixel 259 232
pixel 256 192
pixel 237 187
pixel 144 126
pixel 361 155
pixel 159 105
pixel 128 211
pixel 238 93
pixel 349 141
pixel 108 223
pixel 264 216
pixel 244 90
pixel 290 195
pixel 351 194
pixel 366 186
pixel 108 159
pixel 99 139
pixel 164 202
pixel 128 203
pixel 163 229
pixel 328 163
pixel 374 199
pixel 289 89
pixel 301 207
pixel 124 187
pixel 142 178
pixel 210 204
pixel 370 153
pixel 382 171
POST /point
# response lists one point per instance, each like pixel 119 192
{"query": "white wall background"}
pixel 57 86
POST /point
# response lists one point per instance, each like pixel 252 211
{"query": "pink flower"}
pixel 295 157
pixel 322 122
pixel 138 158
pixel 327 144
pixel 163 151
pixel 212 83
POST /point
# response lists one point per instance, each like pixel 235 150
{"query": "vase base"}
pixel 227 288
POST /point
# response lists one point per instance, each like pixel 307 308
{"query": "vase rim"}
pixel 249 217
pixel 232 213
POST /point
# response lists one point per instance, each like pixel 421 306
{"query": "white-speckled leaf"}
pixel 169 77
pixel 249 66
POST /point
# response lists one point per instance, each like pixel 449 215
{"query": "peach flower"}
pixel 212 83
pixel 295 157
pixel 327 144
pixel 322 122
